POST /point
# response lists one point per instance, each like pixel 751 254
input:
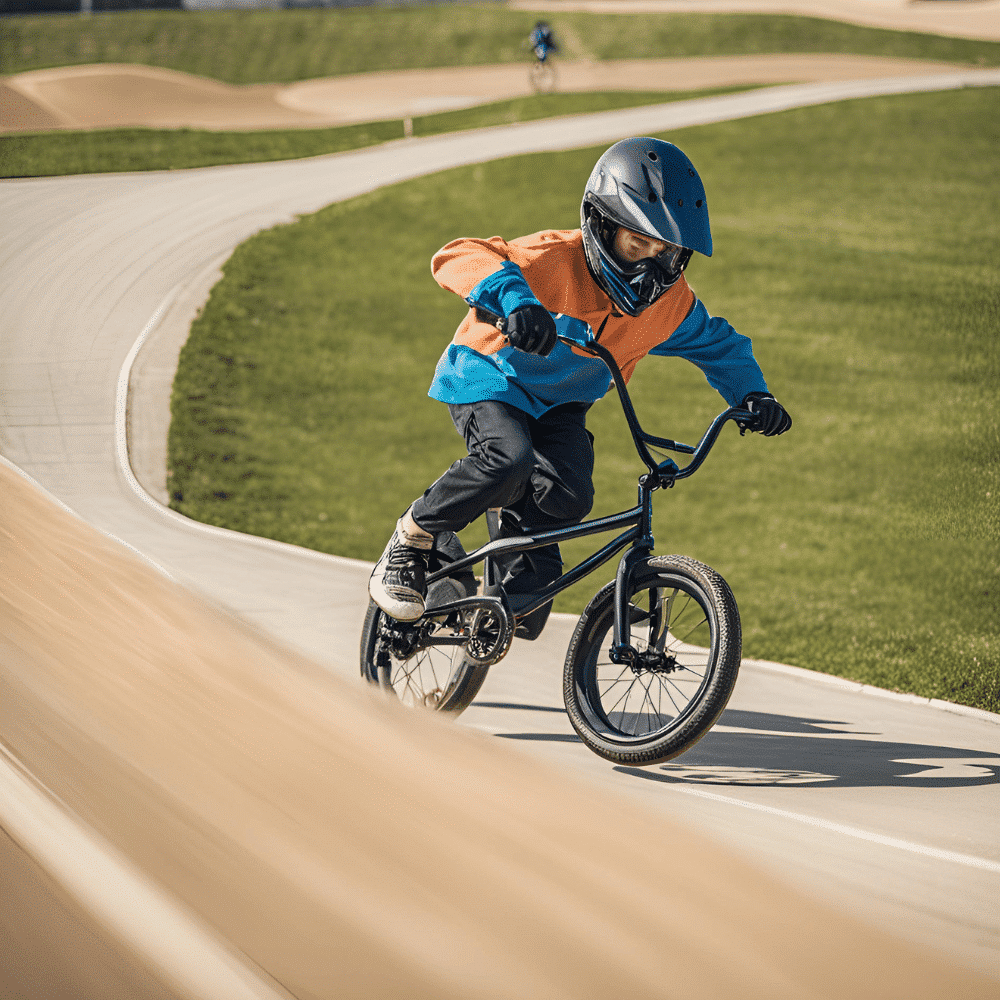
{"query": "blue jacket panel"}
pixel 724 356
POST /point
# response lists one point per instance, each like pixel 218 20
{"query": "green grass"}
pixel 112 150
pixel 864 263
pixel 280 46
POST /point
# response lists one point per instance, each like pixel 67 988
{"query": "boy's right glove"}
pixel 531 329
pixel 772 417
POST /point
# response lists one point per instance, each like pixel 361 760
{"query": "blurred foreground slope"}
pixel 350 848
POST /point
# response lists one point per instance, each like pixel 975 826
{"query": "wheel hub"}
pixel 645 661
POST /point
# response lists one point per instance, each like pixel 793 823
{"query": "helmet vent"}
pixel 652 196
pixel 652 156
pixel 698 203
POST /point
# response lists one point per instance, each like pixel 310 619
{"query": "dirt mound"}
pixel 117 96
pixel 958 18
pixel 120 96
pixel 352 848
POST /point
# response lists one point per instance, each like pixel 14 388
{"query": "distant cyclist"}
pixel 543 41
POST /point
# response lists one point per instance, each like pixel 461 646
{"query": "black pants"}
pixel 541 469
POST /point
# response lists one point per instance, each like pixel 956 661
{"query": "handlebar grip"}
pixel 485 316
pixel 743 417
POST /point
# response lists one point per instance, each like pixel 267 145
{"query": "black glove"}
pixel 771 416
pixel 531 329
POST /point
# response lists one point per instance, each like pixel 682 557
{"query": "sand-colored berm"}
pixel 351 848
pixel 118 95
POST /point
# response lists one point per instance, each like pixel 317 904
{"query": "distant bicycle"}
pixel 542 72
pixel 654 658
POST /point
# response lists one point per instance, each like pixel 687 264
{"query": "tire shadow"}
pixel 773 749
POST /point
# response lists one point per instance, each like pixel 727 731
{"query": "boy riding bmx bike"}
pixel 519 396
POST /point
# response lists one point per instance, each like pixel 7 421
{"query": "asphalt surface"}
pixel 885 807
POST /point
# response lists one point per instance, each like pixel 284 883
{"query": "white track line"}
pixel 122 408
pixel 968 860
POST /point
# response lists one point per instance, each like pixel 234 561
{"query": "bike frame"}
pixel 638 520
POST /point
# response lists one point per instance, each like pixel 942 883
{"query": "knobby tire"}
pixel 648 715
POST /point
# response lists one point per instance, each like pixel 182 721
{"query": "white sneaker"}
pixel 397 583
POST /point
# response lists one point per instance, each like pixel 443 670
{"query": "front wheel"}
pixel 685 628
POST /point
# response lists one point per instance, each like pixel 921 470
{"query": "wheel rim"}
pixel 675 623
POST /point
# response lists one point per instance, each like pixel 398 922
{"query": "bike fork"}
pixel 622 651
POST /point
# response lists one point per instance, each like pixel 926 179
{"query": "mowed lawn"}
pixel 856 243
pixel 280 46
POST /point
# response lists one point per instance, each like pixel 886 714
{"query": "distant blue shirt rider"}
pixel 542 41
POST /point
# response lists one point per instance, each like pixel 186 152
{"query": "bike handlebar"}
pixel 666 472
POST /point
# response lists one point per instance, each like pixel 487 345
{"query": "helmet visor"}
pixel 672 256
pixel 631 250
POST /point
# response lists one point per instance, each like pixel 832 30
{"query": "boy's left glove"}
pixel 532 329
pixel 772 417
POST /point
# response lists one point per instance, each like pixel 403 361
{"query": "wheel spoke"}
pixel 647 700
pixel 684 626
pixel 620 679
pixel 427 672
pixel 690 628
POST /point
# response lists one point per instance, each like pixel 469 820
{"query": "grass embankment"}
pixel 853 244
pixel 258 46
pixel 243 47
pixel 115 150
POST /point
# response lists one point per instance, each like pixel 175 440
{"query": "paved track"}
pixel 885 806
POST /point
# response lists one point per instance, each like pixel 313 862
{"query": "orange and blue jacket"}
pixel 550 268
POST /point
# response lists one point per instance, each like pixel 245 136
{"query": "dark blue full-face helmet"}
pixel 650 187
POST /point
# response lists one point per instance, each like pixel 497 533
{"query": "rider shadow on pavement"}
pixel 771 749
pixel 767 749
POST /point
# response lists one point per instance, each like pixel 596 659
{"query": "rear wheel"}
pixel 436 663
pixel 685 628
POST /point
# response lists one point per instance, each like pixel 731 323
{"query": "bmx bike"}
pixel 654 657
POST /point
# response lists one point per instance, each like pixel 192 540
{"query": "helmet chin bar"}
pixel 650 280
pixel 632 287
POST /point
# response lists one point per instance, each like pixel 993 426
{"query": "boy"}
pixel 519 396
